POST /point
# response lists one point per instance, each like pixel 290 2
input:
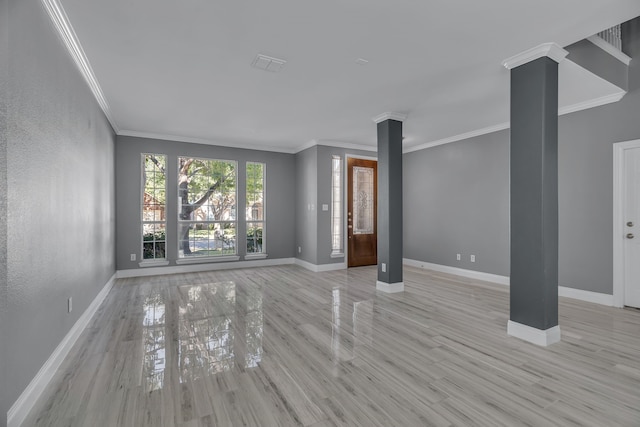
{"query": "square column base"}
pixel 533 335
pixel 390 288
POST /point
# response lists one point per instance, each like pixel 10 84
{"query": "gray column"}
pixel 390 202
pixel 4 107
pixel 534 201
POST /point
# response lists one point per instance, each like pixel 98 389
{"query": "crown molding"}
pixel 603 100
pixel 347 145
pixel 551 50
pixel 176 138
pixel 306 145
pixel 459 137
pixel 68 35
pixel 389 115
pixel 610 49
pixel 337 144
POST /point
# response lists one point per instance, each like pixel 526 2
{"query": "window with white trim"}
pixel 207 203
pixel 254 209
pixel 336 206
pixel 154 223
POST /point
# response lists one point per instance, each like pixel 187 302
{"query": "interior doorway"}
pixel 626 239
pixel 362 212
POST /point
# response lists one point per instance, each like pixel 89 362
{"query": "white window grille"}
pixel 207 197
pixel 154 189
pixel 254 210
pixel 336 206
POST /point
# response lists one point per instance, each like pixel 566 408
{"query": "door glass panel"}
pixel 363 199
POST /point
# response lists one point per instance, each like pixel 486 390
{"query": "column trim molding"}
pixel 551 50
pixel 533 335
pixel 389 115
pixel 389 288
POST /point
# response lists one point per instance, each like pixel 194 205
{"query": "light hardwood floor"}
pixel 284 346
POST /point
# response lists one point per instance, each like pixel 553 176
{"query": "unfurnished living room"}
pixel 319 213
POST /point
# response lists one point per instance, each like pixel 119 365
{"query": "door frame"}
pixel 345 208
pixel 619 149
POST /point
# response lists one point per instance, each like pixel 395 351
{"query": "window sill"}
pixel 207 259
pixel 153 263
pixel 255 256
pixel 334 255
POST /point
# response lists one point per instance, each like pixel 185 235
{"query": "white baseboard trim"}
pixel 533 335
pixel 587 296
pixel 194 268
pixel 563 291
pixel 21 408
pixel 478 275
pixel 318 268
pixel 389 288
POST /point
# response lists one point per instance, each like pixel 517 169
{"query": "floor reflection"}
pixel 211 329
pixel 335 324
pixel 205 334
pixel 362 326
pixel 154 340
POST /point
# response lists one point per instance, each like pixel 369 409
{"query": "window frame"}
pixel 152 262
pixel 182 259
pixel 263 221
pixel 337 207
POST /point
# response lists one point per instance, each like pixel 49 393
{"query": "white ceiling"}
pixel 182 70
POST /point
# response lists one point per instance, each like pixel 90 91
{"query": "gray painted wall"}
pixel 585 181
pixel 456 195
pixel 61 216
pixel 320 173
pixel 4 55
pixel 280 207
pixel 599 62
pixel 456 200
pixel 306 246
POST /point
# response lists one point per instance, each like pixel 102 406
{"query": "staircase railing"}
pixel 613 36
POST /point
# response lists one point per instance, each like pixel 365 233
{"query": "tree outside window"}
pixel 206 207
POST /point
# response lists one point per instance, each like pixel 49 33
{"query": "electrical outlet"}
pixel 473 258
pixel 69 304
pixel 299 249
pixel 133 257
pixel 384 267
pixel 458 257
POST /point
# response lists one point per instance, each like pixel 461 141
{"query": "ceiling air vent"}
pixel 268 63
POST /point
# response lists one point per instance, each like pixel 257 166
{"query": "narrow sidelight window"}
pixel 154 189
pixel 336 206
pixel 254 210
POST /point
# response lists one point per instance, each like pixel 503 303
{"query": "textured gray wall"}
pixel 325 154
pixel 306 192
pixel 456 195
pixel 456 200
pixel 585 183
pixel 4 54
pixel 280 208
pixel 61 217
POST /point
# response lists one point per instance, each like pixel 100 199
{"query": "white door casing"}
pixel 626 229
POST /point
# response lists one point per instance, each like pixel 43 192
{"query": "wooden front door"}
pixel 362 213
